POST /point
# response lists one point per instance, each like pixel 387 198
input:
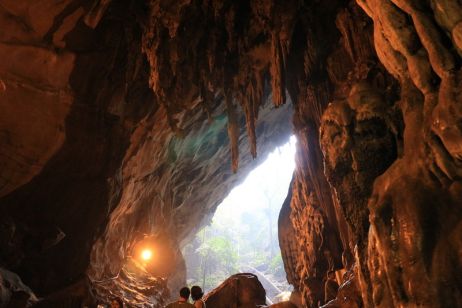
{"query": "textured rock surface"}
pixel 240 290
pixel 395 227
pixel 121 123
pixel 283 305
pixel 329 69
pixel 13 292
pixel 406 258
pixel 91 164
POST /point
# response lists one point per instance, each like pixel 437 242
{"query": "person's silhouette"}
pixel 182 302
pixel 196 295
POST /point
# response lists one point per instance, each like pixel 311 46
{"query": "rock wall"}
pixel 121 123
pixel 68 135
pixel 413 252
pixel 391 118
pixel 91 163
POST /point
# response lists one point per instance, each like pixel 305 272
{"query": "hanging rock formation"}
pixel 90 163
pixel 123 124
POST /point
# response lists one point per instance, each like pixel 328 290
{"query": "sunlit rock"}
pixel 240 290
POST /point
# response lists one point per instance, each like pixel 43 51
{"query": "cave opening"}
pixel 243 235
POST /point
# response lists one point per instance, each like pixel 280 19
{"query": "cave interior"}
pixel 125 123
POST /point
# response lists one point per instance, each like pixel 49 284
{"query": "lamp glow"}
pixel 146 254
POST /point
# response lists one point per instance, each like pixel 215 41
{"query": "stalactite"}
pixel 254 49
pixel 207 102
pixel 247 106
pixel 258 89
pixel 119 78
pixel 277 71
pixel 233 131
pixel 93 17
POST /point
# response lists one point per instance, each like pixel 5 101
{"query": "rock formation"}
pixel 13 292
pixel 406 259
pixel 83 185
pixel 123 124
pixel 240 290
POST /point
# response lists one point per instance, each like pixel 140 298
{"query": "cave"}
pixel 125 123
pixel 242 236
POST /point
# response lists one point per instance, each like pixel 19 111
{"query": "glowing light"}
pixel 146 254
pixel 285 296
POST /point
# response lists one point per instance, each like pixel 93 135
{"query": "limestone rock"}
pixel 125 122
pixel 240 290
pixel 13 292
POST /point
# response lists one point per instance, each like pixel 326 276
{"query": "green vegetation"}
pixel 227 247
pixel 210 258
pixel 242 236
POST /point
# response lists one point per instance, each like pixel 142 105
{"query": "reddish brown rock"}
pixel 122 121
pixel 240 290
pixel 283 305
pixel 89 161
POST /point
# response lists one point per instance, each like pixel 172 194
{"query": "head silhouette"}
pixel 196 293
pixel 116 303
pixel 184 292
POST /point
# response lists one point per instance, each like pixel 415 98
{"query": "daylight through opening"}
pixel 243 235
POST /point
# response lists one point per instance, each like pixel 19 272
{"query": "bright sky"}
pixel 272 176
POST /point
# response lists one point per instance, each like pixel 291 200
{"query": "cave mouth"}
pixel 243 234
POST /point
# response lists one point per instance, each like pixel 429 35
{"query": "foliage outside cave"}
pixel 242 236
